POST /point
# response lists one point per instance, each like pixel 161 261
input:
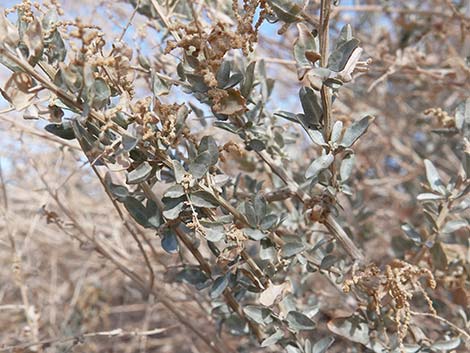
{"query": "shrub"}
pixel 260 201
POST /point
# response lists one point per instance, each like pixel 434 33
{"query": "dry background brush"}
pixel 223 176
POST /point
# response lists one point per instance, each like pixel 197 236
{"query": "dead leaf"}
pixel 233 103
pixel 8 32
pixel 274 292
pixel 34 41
pixel 16 90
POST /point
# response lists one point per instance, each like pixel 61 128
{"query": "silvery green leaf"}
pixel 317 138
pixel 226 126
pixel 307 346
pixel 139 174
pixel 268 221
pixel 248 80
pixel 174 192
pixel 219 286
pixel 258 314
pixel 203 199
pixel 257 145
pixel 427 196
pixel 254 234
pixel 267 250
pixel 250 214
pixel 340 56
pixel 99 93
pixel 302 120
pixel 347 166
pixel 292 248
pixel 336 131
pixel 305 43
pixel 411 233
pixel 328 261
pixel 356 130
pixel 407 348
pixel 154 214
pixel 287 115
pixel 345 35
pixel 354 330
pixel 194 276
pixel 223 74
pixel 273 339
pixel 260 206
pixel 448 345
pixel 433 177
pixel 439 257
pixel 179 171
pixel 454 225
pixel 463 205
pixel 169 241
pixel 200 165
pixel 144 61
pixel 236 325
pixel 298 321
pixel 86 139
pixel 214 233
pixel 197 83
pixel 287 10
pixel 129 142
pixel 345 75
pixel 318 165
pixel 462 115
pixel 137 211
pixel 323 73
pixel 159 87
pixel 311 106
pixel 292 349
pixel 322 345
pixel 61 131
pixel 118 191
pixel 88 75
pixel 234 80
pixel 173 207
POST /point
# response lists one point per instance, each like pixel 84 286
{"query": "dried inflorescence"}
pixel 395 287
pixel 208 46
pixel 442 117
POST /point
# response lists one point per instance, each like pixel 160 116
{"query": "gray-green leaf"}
pixel 318 165
pixel 433 177
pixel 139 174
pixel 258 314
pixel 411 233
pixel 298 321
pixel 322 345
pixel 356 130
pixel 273 339
pixel 169 241
pixel 219 286
pixel 292 248
pixel 200 165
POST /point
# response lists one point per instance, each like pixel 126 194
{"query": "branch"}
pixel 325 91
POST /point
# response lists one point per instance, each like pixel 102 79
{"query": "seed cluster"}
pixel 393 288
